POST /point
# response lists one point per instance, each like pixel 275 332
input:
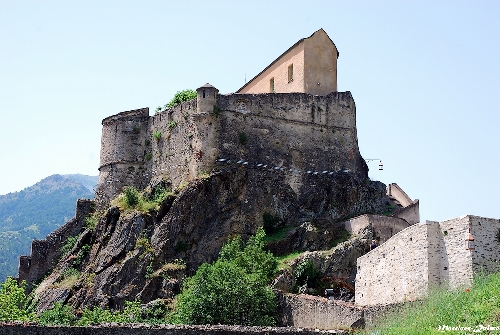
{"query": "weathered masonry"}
pixel 427 255
pixel 292 131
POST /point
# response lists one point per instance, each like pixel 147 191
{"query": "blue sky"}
pixel 424 74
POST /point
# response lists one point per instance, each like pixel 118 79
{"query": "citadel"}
pixel 287 141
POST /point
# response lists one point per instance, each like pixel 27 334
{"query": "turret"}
pixel 207 96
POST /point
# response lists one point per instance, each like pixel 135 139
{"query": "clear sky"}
pixel 425 76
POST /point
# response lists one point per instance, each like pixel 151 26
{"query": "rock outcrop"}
pixel 133 255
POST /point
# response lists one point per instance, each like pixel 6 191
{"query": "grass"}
pixel 277 235
pixel 468 307
pixel 283 260
pixel 133 200
pixel 343 235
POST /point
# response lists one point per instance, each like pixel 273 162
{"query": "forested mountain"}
pixel 35 212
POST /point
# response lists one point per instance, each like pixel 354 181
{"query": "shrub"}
pixel 14 304
pixel 180 97
pixel 91 221
pixel 131 196
pixel 58 315
pixel 306 273
pixel 234 289
pixel 172 124
pixel 157 135
pixel 69 243
pixel 95 315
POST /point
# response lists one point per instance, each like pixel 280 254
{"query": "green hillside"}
pixel 35 212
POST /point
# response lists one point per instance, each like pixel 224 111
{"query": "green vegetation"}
pixel 233 290
pixel 148 156
pixel 182 96
pixel 285 259
pixel 131 199
pixel 157 135
pixel 466 307
pixel 14 304
pixel 172 124
pixel 69 243
pixel 92 220
pixel 60 314
pixel 216 111
pixel 306 273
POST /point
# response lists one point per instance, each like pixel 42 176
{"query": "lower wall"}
pixel 397 270
pixel 306 311
pixel 24 329
pixel 384 227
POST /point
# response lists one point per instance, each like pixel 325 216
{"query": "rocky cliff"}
pixel 132 255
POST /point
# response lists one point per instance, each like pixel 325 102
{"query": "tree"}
pixel 180 97
pixel 233 290
pixel 14 304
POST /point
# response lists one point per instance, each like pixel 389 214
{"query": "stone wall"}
pixel 395 271
pixel 294 132
pixel 410 213
pixel 384 227
pixel 427 255
pixel 27 329
pixel 307 311
pixel 45 253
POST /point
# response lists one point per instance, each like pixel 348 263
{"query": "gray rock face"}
pixel 136 256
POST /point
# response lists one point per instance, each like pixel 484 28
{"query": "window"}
pixel 290 73
pixel 271 85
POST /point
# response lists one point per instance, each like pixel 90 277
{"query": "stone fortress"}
pixel 287 123
pixel 291 119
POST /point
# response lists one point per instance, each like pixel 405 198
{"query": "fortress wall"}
pixel 306 311
pixel 45 253
pixel 397 192
pixel 456 260
pixel 384 227
pixel 185 150
pixel 123 150
pixel 486 232
pixel 397 270
pixel 411 213
pixel 295 130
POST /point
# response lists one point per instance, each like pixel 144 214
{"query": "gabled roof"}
pixel 284 53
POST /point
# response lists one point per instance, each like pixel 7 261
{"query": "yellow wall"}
pixel 314 61
pixel 279 71
pixel 320 60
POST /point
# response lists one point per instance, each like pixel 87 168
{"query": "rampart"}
pixel 384 227
pixel 427 255
pixel 45 253
pixel 292 131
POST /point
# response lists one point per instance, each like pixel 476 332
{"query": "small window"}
pixel 271 85
pixel 290 73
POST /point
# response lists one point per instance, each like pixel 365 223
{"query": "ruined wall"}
pixel 397 270
pixel 410 214
pixel 397 193
pixel 384 227
pixel 45 253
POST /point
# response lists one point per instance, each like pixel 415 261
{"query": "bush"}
pixel 270 222
pixel 131 196
pixel 69 243
pixel 234 289
pixel 180 97
pixel 306 273
pixel 14 304
pixel 59 315
pixel 157 135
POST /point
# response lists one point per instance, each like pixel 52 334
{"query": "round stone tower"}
pixel 206 100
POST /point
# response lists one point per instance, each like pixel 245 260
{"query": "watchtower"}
pixel 206 100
